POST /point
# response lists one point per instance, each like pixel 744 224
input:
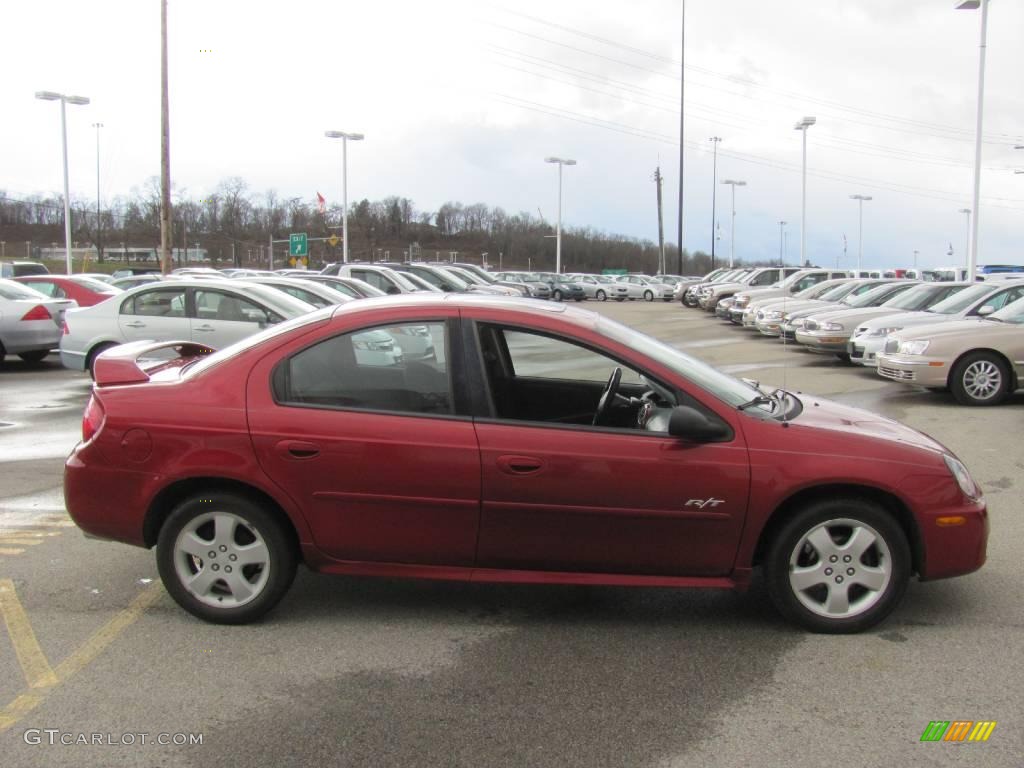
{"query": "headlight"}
pixel 741 301
pixel 879 332
pixel 963 477
pixel 799 322
pixel 832 327
pixel 913 347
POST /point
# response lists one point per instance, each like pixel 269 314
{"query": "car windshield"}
pixel 961 301
pixel 726 388
pixel 911 299
pixel 1011 313
pixel 96 286
pixel 867 299
pixel 836 292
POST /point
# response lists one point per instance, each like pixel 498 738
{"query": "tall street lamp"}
pixel 64 99
pixel 345 139
pixel 558 231
pixel 802 126
pixel 782 230
pixel 972 250
pixel 967 213
pixel 732 235
pixel 99 226
pixel 714 188
pixel 860 225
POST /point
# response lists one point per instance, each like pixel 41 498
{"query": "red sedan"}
pixel 541 444
pixel 87 291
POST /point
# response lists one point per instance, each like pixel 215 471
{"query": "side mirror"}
pixel 689 423
pixel 986 310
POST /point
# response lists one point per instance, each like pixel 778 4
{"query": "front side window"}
pixel 166 302
pixel 401 367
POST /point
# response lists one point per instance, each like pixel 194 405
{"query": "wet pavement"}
pixel 361 672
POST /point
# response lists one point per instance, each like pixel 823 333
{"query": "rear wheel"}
pixel 90 361
pixel 980 378
pixel 838 566
pixel 601 296
pixel 557 295
pixel 35 356
pixel 648 295
pixel 225 558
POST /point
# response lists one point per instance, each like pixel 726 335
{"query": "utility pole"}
pixel 99 222
pixel 165 150
pixel 658 179
pixel 782 233
pixel 682 112
pixel 714 184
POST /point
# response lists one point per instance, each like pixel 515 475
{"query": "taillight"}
pixel 92 420
pixel 38 312
pixel 65 331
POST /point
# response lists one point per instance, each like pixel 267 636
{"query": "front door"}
pixel 560 494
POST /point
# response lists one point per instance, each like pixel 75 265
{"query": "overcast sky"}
pixel 463 100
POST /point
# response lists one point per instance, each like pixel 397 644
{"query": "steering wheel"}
pixel 608 396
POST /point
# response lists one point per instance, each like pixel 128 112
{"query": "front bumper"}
pixel 913 369
pixel 865 350
pixel 954 550
pixel 823 341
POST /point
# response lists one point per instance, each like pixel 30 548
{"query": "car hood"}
pixel 819 413
pixel 908 319
pixel 852 315
pixel 968 328
pixel 792 305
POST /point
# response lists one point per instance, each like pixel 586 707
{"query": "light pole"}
pixel 714 188
pixel 972 244
pixel 915 259
pixel 860 225
pixel 802 126
pixel 732 235
pixel 99 228
pixel 782 225
pixel 967 213
pixel 345 139
pixel 558 231
pixel 64 99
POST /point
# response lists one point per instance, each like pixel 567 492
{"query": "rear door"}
pixel 222 317
pixel 157 314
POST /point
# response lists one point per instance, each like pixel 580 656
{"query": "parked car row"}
pixel 963 337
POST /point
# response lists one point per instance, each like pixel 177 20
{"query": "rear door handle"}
pixel 204 328
pixel 136 324
pixel 519 465
pixel 298 449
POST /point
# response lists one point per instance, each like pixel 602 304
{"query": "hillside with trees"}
pixel 234 225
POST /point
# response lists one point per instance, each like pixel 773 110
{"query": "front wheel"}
pixel 225 558
pixel 601 296
pixel 557 295
pixel 839 566
pixel 980 379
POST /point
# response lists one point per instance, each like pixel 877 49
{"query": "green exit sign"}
pixel 298 244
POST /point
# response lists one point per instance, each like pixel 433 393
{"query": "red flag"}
pixel 321 203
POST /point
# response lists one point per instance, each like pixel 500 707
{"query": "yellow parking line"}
pixel 38 673
pixel 20 542
pixel 9 551
pixel 92 648
pixel 13 533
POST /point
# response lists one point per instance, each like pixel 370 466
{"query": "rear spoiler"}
pixel 120 364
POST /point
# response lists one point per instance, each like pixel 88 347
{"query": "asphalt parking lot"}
pixel 390 673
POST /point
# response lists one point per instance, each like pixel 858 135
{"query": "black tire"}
pixel 648 295
pixel 580 298
pixel 35 356
pixel 809 608
pixel 3 354
pixel 557 295
pixel 95 352
pixel 255 522
pixel 620 298
pixel 601 296
pixel 966 384
pixel 844 357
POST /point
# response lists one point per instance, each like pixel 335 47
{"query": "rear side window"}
pixel 400 368
pixel 167 302
pixel 48 288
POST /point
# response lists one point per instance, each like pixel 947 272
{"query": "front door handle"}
pixel 136 324
pixel 520 465
pixel 298 449
pixel 204 328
